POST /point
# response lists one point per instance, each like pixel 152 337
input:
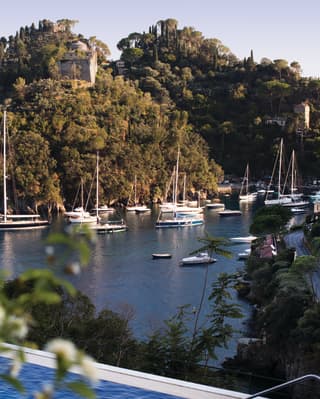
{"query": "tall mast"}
pixel 293 177
pixel 247 182
pixel 82 200
pixel 97 187
pixel 135 189
pixel 4 167
pixel 280 167
pixel 176 181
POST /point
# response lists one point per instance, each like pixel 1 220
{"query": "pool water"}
pixel 35 377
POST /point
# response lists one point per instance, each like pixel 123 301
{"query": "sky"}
pixel 273 29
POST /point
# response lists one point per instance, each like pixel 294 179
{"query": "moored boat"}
pixel 180 222
pixel 115 226
pixel 216 205
pixel 244 255
pixel 100 226
pixel 245 194
pixel 198 259
pixel 161 256
pixel 179 218
pixel 243 239
pixel 230 212
pixel 15 221
pixel 142 209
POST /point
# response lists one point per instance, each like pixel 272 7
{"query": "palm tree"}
pixel 211 245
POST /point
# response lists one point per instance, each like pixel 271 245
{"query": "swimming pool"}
pixel 34 378
pixel 114 382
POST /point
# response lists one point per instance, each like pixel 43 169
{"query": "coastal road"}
pixel 295 239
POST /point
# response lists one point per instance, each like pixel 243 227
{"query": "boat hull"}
pixel 203 261
pixel 161 256
pixel 182 222
pixel 228 213
pixel 23 225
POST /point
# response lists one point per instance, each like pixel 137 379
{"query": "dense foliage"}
pixel 175 88
pixel 229 101
pixel 284 289
pixel 56 127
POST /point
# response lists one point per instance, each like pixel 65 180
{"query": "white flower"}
pixel 89 368
pixel 63 348
pixel 15 367
pixel 18 327
pixel 73 268
pixel 49 250
pixel 2 315
pixel 47 392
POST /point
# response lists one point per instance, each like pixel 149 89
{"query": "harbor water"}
pixel 123 276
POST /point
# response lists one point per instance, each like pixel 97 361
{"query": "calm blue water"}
pixel 123 276
pixel 33 378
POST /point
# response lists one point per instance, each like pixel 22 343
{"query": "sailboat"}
pixel 245 195
pixel 297 201
pixel 293 198
pixel 79 214
pixel 100 226
pixel 179 219
pixel 16 221
pixel 138 208
pixel 278 164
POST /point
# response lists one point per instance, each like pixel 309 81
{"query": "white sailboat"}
pixel 293 198
pixel 183 208
pixel 79 215
pixel 100 226
pixel 245 194
pixel 297 201
pixel 179 219
pixel 281 199
pixel 16 221
pixel 138 208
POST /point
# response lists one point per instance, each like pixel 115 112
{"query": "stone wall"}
pixel 73 67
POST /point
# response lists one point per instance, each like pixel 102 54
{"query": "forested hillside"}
pixel 175 89
pixel 229 101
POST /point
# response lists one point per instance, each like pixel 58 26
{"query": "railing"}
pixel 285 385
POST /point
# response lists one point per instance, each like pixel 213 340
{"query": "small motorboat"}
pixel 142 209
pixel 243 239
pixel 298 210
pixel 215 205
pixel 230 212
pixel 161 256
pixel 244 255
pixel 198 259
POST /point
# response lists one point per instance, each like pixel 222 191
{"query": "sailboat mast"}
pixel 176 180
pixel 280 167
pixel 97 186
pixel 247 182
pixel 292 173
pixel 4 167
pixel 135 189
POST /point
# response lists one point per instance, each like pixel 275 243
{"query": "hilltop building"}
pixel 80 63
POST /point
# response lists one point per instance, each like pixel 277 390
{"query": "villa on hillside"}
pixel 276 120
